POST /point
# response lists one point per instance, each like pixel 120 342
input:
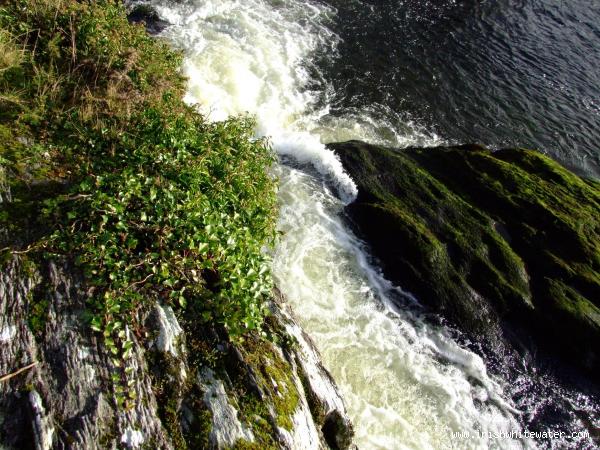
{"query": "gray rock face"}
pixel 5 195
pixel 322 395
pixel 226 426
pixel 66 400
pixel 169 330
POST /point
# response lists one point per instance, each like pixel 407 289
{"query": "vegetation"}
pixel 275 379
pixel 272 403
pixel 488 238
pixel 108 167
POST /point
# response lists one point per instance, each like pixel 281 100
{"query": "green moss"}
pixel 316 406
pixel 174 396
pixel 477 233
pixel 257 416
pixel 448 242
pixel 263 388
pixel 108 433
pixel 243 444
pixel 168 403
pixel 275 377
pixel 199 438
pixel 37 314
pixel 569 303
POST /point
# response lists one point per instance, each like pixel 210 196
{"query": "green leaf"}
pixel 96 324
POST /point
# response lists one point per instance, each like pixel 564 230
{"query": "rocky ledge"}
pixel 193 387
pixel 504 244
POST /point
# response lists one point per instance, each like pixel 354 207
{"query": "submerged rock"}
pixel 498 242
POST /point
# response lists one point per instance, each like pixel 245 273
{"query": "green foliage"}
pixel 152 202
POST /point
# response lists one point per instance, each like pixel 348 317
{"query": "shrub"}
pixel 152 201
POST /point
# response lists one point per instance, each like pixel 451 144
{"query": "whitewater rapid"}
pixel 407 384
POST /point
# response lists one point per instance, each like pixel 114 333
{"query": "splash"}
pixel 407 383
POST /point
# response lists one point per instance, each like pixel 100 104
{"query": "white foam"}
pixel 407 385
pixel 248 57
pixel 306 148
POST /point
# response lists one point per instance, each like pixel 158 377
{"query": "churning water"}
pixel 406 382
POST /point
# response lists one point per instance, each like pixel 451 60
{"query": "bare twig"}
pixel 17 372
pixel 139 282
pixel 73 48
pixel 78 196
pixel 27 250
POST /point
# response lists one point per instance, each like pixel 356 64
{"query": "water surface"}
pixel 315 72
pixel 499 72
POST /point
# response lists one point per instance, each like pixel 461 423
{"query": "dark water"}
pixel 502 73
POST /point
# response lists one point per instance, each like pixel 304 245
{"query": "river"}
pixel 318 72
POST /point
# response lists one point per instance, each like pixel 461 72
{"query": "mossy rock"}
pixel 488 239
pixel 147 15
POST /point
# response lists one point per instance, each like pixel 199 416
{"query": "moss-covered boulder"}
pixel 488 239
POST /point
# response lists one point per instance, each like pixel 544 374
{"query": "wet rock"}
pixel 321 393
pixel 146 14
pixel 336 431
pixel 505 244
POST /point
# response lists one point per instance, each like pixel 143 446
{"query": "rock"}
pixel 43 431
pixel 495 241
pixel 321 393
pixel 69 402
pixel 226 427
pixel 5 195
pixel 193 386
pixel 169 329
pixel 146 14
pixel 132 438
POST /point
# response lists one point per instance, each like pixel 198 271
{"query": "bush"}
pixel 152 202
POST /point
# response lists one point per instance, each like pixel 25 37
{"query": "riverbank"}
pixel 134 276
